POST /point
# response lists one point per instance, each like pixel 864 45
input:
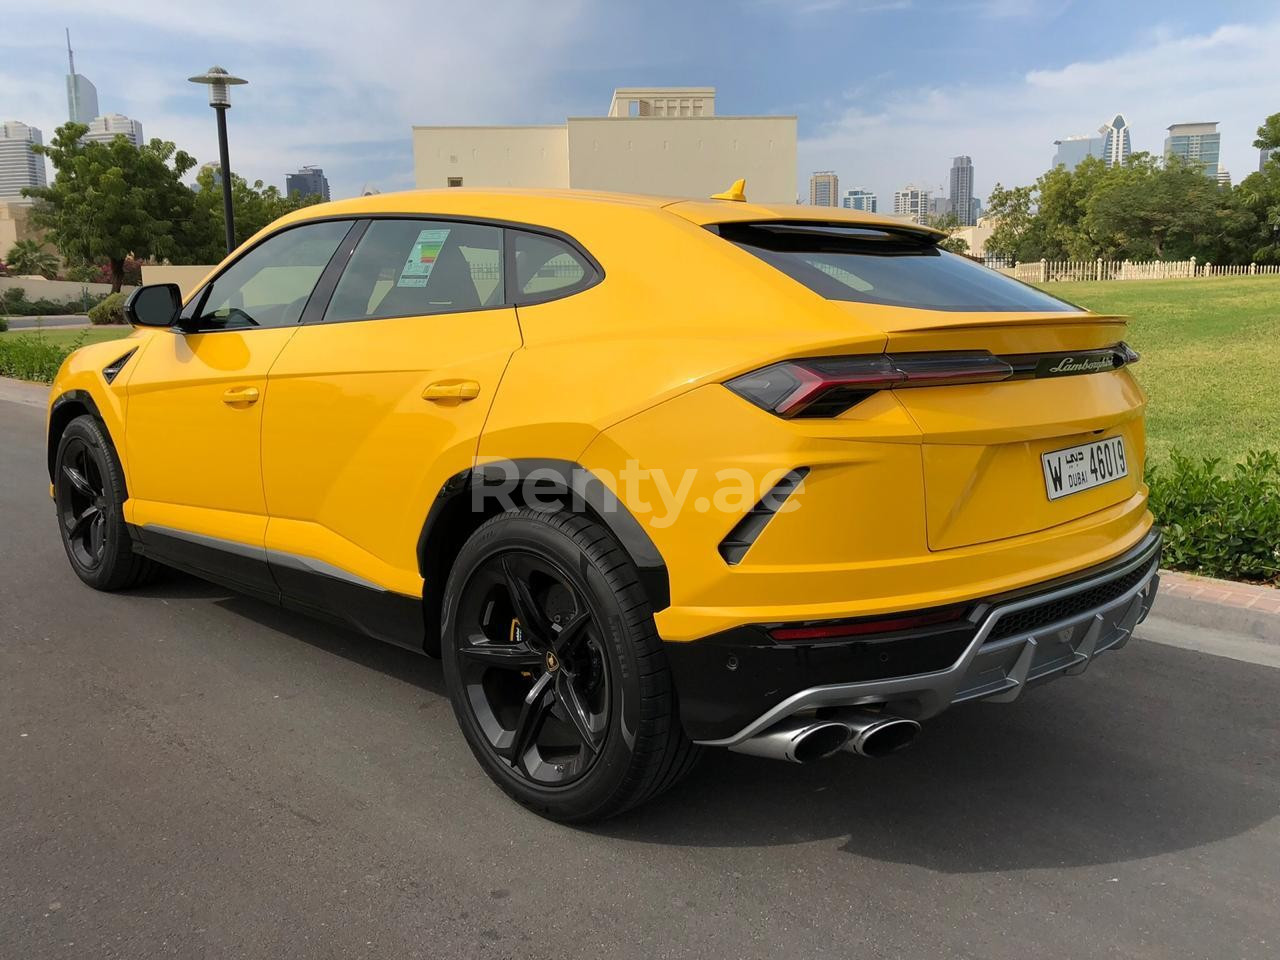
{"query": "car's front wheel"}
pixel 555 669
pixel 89 495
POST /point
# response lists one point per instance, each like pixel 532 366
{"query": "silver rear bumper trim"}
pixel 1002 669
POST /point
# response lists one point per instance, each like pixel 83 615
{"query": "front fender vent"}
pixel 112 369
pixel 745 532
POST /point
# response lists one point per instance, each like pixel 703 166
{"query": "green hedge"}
pixel 33 358
pixel 1220 524
pixel 14 303
pixel 110 310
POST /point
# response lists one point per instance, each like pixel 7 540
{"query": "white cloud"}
pixel 324 78
pixel 1008 129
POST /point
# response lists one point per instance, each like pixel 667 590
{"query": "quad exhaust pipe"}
pixel 805 739
pixel 877 734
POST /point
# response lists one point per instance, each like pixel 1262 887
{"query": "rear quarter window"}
pixel 874 265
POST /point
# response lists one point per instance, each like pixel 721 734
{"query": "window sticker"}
pixel 422 257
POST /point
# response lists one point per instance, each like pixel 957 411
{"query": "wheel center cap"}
pixel 553 662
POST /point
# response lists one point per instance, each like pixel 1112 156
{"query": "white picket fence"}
pixel 1046 271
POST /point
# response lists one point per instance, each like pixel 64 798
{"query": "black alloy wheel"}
pixel 533 666
pixel 82 504
pixel 89 494
pixel 555 669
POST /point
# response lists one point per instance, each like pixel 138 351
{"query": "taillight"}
pixel 827 386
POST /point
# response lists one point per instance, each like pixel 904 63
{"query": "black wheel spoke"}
pixel 80 525
pixel 79 481
pixel 531 618
pixel 536 677
pixel 571 634
pixel 505 656
pixel 96 535
pixel 532 712
pixel 575 712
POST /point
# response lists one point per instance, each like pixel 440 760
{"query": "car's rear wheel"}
pixel 89 495
pixel 555 669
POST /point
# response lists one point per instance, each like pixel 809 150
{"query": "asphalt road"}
pixel 187 773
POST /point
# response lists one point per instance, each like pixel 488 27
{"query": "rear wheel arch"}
pixel 559 484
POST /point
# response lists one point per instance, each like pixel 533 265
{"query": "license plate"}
pixel 1084 467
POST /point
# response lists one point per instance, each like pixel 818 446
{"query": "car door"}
pixel 195 402
pixel 373 407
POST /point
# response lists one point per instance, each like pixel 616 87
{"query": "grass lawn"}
pixel 1210 359
pixel 64 338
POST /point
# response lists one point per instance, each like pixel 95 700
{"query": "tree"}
pixel 255 206
pixel 1149 210
pixel 1269 133
pixel 1258 201
pixel 1010 211
pixel 1059 230
pixel 30 258
pixel 949 224
pixel 110 200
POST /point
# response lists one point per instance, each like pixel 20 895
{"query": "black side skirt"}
pixel 296 583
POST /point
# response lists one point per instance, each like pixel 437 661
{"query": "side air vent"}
pixel 745 532
pixel 112 370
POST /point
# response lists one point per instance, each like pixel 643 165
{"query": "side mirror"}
pixel 155 305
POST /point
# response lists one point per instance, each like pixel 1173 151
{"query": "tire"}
pixel 544 621
pixel 89 495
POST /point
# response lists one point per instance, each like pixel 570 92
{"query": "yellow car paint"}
pixel 915 497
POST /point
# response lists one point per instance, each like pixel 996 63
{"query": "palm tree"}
pixel 29 258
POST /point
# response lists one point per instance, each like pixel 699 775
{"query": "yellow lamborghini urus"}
pixel 648 475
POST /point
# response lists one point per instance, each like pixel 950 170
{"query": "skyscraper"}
pixel 307 182
pixel 863 200
pixel 824 189
pixel 105 129
pixel 1115 141
pixel 1263 156
pixel 1072 150
pixel 962 191
pixel 1196 143
pixel 19 167
pixel 82 96
pixel 913 202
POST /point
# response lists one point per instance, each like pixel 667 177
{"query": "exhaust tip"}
pixel 795 740
pixel 883 737
pixel 819 741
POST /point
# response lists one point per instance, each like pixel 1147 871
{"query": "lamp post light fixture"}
pixel 219 83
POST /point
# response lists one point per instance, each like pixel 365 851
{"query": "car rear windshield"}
pixel 872 265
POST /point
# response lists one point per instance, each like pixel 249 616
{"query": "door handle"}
pixel 241 395
pixel 452 390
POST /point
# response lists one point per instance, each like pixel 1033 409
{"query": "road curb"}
pixel 1239 608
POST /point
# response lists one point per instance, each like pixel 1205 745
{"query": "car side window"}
pixel 269 285
pixel 410 268
pixel 547 266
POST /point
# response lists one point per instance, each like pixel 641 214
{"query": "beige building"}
pixel 15 224
pixel 976 236
pixel 824 189
pixel 662 140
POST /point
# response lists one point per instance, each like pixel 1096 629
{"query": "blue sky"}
pixel 886 91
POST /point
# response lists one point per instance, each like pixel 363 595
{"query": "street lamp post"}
pixel 219 83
